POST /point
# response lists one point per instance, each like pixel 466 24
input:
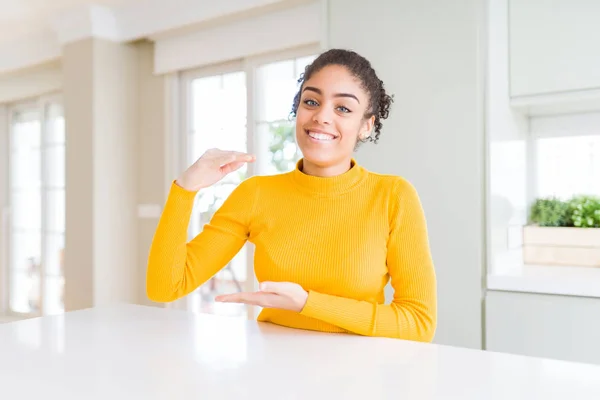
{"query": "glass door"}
pixel 36 227
pixel 25 200
pixel 217 119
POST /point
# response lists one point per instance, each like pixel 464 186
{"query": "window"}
pixel 544 156
pixel 276 86
pixel 36 228
pixel 565 153
pixel 217 113
pixel 568 166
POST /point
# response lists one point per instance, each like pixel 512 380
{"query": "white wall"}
pixel 115 156
pixel 151 155
pixel 101 110
pixel 429 54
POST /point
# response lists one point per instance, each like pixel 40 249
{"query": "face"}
pixel 330 117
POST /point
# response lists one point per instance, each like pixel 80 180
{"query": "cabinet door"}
pixel 553 46
pixel 559 327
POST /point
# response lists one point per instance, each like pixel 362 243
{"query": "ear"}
pixel 367 128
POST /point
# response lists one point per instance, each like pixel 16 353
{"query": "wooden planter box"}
pixel 561 246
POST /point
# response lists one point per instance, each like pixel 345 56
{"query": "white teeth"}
pixel 320 136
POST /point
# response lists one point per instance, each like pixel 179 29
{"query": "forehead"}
pixel 334 79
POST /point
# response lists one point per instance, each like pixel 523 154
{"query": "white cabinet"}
pixel 554 46
pixel 558 327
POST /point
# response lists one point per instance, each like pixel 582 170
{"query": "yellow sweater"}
pixel 341 238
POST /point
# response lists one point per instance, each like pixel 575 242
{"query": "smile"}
pixel 321 136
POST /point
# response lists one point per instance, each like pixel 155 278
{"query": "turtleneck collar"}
pixel 329 186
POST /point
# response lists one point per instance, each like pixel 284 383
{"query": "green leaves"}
pixel 549 211
pixel 584 211
pixel 283 149
pixel 580 211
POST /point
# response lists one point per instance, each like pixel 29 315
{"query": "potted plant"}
pixel 563 232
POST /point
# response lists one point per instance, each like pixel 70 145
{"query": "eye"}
pixel 311 103
pixel 344 109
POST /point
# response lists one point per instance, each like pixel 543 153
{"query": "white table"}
pixel 133 352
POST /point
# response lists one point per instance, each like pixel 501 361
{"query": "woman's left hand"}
pixel 282 295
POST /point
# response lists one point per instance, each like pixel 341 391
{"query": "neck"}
pixel 313 169
pixel 329 181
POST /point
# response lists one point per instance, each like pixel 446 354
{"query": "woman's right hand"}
pixel 211 167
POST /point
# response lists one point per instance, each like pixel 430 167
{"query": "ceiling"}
pixel 24 17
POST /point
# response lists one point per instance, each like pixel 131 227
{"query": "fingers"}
pixel 221 158
pixel 243 156
pixel 238 157
pixel 229 168
pixel 227 157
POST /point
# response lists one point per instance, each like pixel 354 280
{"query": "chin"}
pixel 317 157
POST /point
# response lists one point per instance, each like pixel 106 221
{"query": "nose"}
pixel 323 116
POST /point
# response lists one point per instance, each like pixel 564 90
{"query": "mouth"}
pixel 320 135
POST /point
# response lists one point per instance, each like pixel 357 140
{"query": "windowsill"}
pixel 546 279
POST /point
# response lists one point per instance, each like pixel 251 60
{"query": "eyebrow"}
pixel 318 91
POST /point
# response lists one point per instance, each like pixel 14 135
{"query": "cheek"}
pixel 350 129
pixel 303 116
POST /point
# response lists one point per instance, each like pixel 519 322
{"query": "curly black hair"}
pixel 379 101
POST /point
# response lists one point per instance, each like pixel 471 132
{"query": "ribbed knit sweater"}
pixel 341 238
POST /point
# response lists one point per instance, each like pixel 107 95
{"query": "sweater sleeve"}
pixel 177 267
pixel 412 314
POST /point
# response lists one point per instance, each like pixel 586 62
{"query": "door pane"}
pixel 25 293
pixel 55 166
pixel 54 295
pixel 25 167
pixel 219 114
pixel 25 249
pixel 54 211
pixel 26 206
pixel 55 124
pixel 283 151
pixel 37 205
pixel 55 216
pixel 276 86
pixel 55 246
pixel 218 120
pixel 26 132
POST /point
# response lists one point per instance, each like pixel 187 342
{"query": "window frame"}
pixel 39 104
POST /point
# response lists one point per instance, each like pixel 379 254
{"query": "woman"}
pixel 328 236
